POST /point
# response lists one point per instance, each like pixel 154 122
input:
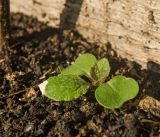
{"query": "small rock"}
pixel 151 105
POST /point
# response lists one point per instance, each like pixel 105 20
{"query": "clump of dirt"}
pixel 37 51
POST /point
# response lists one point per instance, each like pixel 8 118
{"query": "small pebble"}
pixel 151 105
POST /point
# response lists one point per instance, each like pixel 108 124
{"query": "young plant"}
pixel 70 84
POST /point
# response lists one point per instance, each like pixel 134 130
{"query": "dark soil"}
pixel 38 51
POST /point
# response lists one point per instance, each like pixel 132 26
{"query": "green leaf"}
pixel 82 65
pixel 103 69
pixel 65 87
pixel 73 70
pixel 116 91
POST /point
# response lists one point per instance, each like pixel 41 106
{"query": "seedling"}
pixel 70 84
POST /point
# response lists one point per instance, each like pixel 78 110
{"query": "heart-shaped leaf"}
pixel 65 87
pixel 82 65
pixel 116 91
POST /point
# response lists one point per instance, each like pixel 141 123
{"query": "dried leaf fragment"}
pixel 30 95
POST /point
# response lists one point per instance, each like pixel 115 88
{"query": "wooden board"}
pixel 131 26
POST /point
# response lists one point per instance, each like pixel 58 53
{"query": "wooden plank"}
pixel 131 26
pixel 138 24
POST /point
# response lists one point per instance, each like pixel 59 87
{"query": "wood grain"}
pixel 131 26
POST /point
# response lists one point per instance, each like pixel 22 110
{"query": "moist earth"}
pixel 37 52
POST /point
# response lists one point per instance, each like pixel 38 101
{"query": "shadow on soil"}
pixel 37 51
pixel 64 46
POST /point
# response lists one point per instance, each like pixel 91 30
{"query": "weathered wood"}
pixel 131 26
pixel 4 23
